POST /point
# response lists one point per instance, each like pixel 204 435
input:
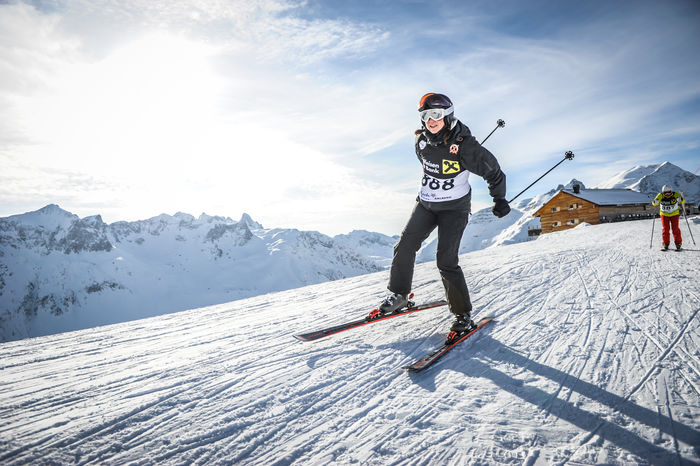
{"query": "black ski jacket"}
pixel 443 162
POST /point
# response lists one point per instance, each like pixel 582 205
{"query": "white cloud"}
pixel 163 106
pixel 154 116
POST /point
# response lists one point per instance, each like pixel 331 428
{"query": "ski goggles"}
pixel 435 113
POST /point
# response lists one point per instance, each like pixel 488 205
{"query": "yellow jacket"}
pixel 670 206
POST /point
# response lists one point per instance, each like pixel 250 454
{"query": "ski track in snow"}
pixel 593 358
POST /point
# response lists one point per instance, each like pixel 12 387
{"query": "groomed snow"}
pixel 593 359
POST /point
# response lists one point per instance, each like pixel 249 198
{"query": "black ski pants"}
pixel 450 225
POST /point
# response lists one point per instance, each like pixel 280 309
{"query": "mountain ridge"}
pixel 60 272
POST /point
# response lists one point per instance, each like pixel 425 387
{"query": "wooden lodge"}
pixel 570 207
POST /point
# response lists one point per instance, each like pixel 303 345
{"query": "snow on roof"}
pixel 611 196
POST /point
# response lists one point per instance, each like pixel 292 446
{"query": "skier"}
pixel 670 202
pixel 449 153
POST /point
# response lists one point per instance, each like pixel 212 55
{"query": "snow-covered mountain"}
pixel 374 246
pixel 649 179
pixel 59 272
pixel 593 359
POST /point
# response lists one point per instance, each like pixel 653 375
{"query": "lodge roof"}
pixel 611 197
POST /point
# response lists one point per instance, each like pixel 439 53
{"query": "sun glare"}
pixel 149 98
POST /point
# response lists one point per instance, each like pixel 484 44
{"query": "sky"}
pixel 302 113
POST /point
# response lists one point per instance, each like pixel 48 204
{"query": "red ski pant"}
pixel 668 223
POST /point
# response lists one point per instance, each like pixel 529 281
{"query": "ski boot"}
pixel 462 325
pixel 665 246
pixel 393 303
pixel 678 246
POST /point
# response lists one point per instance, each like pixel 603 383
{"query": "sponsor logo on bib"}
pixel 450 166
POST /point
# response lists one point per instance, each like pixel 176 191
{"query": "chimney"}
pixel 577 188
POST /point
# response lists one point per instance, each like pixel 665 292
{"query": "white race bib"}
pixel 669 208
pixel 444 189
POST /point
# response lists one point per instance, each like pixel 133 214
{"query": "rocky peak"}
pixel 252 224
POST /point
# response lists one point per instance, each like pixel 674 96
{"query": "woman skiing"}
pixel 670 210
pixel 449 153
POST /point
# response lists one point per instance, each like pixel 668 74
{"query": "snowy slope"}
pixel 593 359
pixel 629 177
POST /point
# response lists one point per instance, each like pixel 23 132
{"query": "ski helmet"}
pixel 441 104
pixel 666 189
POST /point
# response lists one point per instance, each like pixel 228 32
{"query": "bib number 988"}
pixel 435 184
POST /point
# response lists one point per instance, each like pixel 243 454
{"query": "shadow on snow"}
pixel 593 423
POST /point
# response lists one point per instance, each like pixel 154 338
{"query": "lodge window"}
pixel 573 221
pixel 556 224
pixel 555 209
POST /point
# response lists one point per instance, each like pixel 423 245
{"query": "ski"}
pixel 427 360
pixel 318 334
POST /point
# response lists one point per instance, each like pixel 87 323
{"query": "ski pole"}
pixel 568 156
pixel 688 223
pixel 651 241
pixel 499 124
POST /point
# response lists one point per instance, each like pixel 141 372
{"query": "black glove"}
pixel 500 208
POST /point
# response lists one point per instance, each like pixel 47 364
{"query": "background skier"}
pixel 449 153
pixel 670 205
